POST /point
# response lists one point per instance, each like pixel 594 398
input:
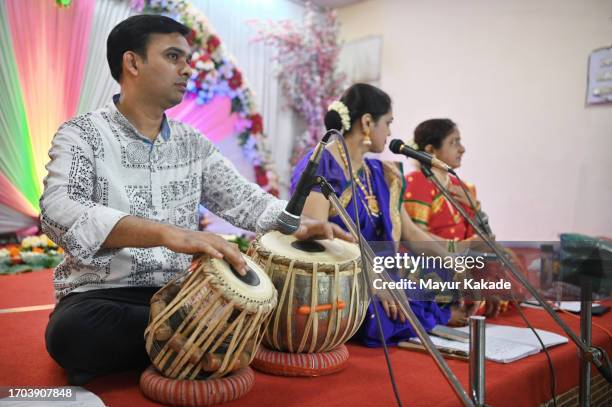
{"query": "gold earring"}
pixel 367 141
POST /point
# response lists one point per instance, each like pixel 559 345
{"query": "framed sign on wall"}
pixel 599 83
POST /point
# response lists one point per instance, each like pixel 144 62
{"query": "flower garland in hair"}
pixel 343 111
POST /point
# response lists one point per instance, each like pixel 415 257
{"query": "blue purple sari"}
pixel 388 185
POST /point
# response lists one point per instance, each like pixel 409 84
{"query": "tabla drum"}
pixel 209 322
pixel 322 296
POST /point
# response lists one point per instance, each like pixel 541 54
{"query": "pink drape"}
pixel 11 197
pixel 214 119
pixel 50 44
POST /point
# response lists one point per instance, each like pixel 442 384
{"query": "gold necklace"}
pixel 372 203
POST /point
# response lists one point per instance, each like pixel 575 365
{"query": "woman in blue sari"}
pixel 364 115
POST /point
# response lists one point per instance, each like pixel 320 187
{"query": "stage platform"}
pixel 365 382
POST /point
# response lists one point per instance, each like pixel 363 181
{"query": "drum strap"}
pixel 281 304
pixel 312 322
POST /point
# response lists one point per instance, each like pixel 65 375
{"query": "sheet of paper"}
pixel 521 335
pixel 504 344
pixel 497 350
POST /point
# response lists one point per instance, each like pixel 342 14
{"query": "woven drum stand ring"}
pixel 195 393
pixel 300 364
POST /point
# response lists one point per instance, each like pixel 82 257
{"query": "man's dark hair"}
pixel 132 34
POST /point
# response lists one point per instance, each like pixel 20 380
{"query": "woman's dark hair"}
pixel 360 99
pixel 433 131
pixel 132 34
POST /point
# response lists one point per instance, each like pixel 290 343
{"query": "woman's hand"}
pixel 493 306
pixel 392 310
pixel 389 304
pixel 459 316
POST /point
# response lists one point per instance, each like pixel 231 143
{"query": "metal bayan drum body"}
pixel 209 322
pixel 322 295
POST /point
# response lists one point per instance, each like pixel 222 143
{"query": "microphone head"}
pixel 396 145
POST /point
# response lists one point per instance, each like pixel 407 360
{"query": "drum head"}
pixel 318 251
pixel 256 288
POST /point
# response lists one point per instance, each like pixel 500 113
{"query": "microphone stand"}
pixel 589 353
pixel 367 259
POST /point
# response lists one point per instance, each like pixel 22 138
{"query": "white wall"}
pixel 512 74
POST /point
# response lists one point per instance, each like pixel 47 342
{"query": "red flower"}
pixel 204 57
pixel 212 43
pixel 260 176
pixel 191 36
pixel 236 80
pixel 256 123
pixel 202 76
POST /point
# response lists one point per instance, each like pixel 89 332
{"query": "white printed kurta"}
pixel 102 169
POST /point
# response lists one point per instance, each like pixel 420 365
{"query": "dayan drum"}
pixel 322 296
pixel 209 322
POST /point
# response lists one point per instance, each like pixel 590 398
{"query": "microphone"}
pixel 399 147
pixel 288 221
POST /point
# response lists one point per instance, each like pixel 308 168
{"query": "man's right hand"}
pixel 191 242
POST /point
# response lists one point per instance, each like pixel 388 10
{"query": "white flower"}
pixel 343 112
pixel 32 257
pixel 27 242
pixel 48 242
pixel 5 257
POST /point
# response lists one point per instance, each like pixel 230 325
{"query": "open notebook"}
pixel 503 344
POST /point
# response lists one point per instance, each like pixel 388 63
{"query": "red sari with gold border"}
pixel 427 206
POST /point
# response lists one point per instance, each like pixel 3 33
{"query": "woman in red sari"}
pixel 424 202
pixel 426 205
